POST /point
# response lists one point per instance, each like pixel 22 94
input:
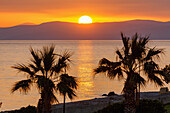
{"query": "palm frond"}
pixel 105 61
pixel 150 67
pixel 22 86
pixel 34 68
pixel 154 53
pixel 69 80
pixel 166 73
pixel 65 90
pixel 119 73
pixel 53 97
pixel 138 46
pixel 36 57
pixel 156 80
pixel 48 57
pixel 119 54
pixel 101 69
pixel 134 44
pixel 23 68
pixel 71 93
pixel 112 73
pixel 125 41
pixel 42 81
pixel 67 55
pixel 63 62
pixel 143 41
pixel 139 79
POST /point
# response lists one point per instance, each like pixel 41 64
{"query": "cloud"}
pixel 101 10
pixel 117 6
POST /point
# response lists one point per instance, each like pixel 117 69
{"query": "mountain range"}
pixel 96 31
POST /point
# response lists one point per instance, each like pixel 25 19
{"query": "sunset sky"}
pixel 14 12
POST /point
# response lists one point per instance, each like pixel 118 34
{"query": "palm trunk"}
pixel 138 90
pixel 137 94
pixel 47 100
pixel 129 106
pixel 129 94
pixel 40 106
pixel 47 104
pixel 64 103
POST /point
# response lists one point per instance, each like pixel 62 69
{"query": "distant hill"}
pixel 96 31
pixel 28 23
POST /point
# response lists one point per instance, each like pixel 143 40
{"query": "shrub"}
pixel 28 109
pixel 114 108
pixel 145 106
pixel 167 107
pixel 150 106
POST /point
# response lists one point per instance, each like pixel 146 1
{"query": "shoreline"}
pixel 95 104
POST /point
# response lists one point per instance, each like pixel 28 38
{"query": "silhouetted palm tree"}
pixel 42 72
pixel 66 87
pixel 66 84
pixel 132 58
pixel 138 49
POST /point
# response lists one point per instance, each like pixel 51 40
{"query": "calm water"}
pixel 87 53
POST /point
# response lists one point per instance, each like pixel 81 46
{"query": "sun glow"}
pixel 85 20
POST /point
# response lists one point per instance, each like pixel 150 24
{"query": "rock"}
pixel 111 93
pixel 104 95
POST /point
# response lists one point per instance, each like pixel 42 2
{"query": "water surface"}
pixel 86 55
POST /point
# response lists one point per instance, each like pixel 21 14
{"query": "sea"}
pixel 86 55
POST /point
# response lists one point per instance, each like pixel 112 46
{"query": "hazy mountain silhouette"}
pixel 96 31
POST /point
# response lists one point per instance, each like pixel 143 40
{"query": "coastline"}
pixel 92 105
pixel 95 104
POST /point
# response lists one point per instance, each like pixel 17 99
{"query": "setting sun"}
pixel 85 20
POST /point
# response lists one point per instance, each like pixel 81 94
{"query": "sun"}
pixel 85 20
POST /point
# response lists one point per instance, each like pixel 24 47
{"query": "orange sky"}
pixel 14 12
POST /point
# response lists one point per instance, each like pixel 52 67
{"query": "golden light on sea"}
pixel 86 83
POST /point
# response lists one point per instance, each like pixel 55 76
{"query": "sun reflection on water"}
pixel 85 68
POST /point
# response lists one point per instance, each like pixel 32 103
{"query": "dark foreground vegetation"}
pixel 145 106
pixel 28 109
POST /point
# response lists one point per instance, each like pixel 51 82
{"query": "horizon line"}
pixel 32 24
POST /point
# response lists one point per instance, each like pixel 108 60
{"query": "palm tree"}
pixel 138 49
pixel 132 58
pixel 66 87
pixel 42 72
pixel 66 84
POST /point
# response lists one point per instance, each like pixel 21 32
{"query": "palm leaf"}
pixel 48 57
pixel 53 98
pixel 119 54
pixel 36 57
pixel 101 69
pixel 156 80
pixel 22 86
pixel 152 53
pixel 65 90
pixel 125 41
pixel 42 81
pixel 23 68
pixel 69 80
